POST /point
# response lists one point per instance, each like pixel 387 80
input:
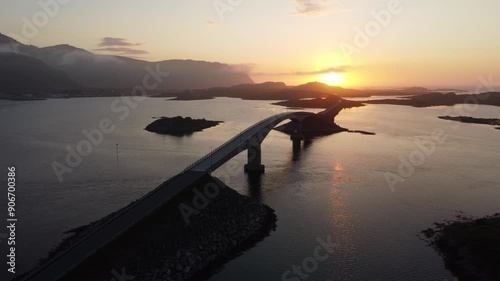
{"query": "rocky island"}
pixel 469 246
pixel 179 126
pixel 472 120
pixel 322 123
pixel 317 125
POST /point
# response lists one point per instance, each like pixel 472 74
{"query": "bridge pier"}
pixel 254 164
pixel 296 139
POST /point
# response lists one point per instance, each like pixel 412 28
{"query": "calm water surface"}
pixel 335 187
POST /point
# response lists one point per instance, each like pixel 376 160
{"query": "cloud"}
pixel 110 41
pixel 316 7
pixel 123 51
pixel 119 46
pixel 338 69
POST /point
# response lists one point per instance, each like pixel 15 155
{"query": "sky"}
pixel 350 43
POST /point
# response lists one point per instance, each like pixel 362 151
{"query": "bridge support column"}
pixel 296 139
pixel 254 164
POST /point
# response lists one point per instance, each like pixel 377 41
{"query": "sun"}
pixel 332 79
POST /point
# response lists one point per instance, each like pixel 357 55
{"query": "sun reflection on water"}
pixel 342 222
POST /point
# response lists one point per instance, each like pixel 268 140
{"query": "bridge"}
pixel 249 140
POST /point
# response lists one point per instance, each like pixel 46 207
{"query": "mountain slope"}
pixel 105 72
pixel 27 75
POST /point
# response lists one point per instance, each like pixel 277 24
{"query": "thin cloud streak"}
pixel 339 69
pixel 125 51
pixel 316 7
pixel 119 46
pixel 110 41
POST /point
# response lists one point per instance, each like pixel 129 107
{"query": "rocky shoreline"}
pixel 165 247
pixel 469 246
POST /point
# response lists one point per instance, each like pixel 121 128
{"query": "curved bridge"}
pixel 250 140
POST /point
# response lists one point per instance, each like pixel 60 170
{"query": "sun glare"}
pixel 332 79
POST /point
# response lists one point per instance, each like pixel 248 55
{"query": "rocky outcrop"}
pixel 165 247
pixel 313 126
pixel 319 124
pixel 178 126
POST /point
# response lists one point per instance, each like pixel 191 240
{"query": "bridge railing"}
pixel 229 141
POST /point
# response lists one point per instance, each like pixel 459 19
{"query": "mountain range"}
pixel 29 69
pixel 280 91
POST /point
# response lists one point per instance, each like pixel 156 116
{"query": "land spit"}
pixel 165 247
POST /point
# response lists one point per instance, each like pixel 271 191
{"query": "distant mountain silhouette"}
pixel 262 86
pixel 415 89
pixel 269 91
pixel 324 88
pixel 106 72
pixel 24 74
pixel 317 86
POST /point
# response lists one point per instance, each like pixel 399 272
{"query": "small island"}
pixel 314 126
pixel 319 124
pixel 179 126
pixel 472 120
pixel 469 246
